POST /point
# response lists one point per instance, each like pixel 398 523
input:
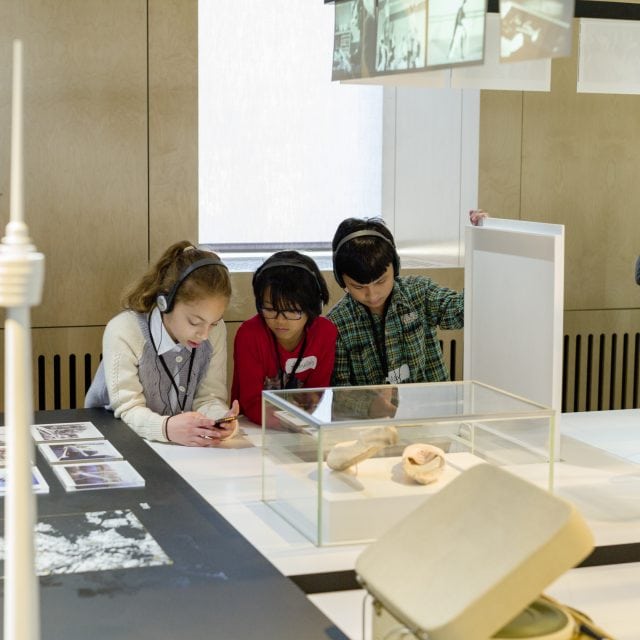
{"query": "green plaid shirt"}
pixel 418 306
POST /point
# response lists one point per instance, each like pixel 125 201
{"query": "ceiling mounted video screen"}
pixel 456 32
pixel 531 29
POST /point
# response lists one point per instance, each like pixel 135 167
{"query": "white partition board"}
pixel 514 302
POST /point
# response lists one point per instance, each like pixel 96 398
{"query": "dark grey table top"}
pixel 218 585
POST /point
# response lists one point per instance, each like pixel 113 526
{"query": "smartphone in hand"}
pixel 220 422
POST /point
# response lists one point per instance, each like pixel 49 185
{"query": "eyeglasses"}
pixel 288 314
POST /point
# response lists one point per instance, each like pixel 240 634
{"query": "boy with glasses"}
pixel 287 344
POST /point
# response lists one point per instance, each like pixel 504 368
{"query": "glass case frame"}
pixel 471 422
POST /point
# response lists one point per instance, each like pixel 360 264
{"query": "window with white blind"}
pixel 284 153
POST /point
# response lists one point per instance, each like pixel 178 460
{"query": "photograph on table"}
pixel 354 39
pixel 37 480
pixel 533 29
pixel 106 475
pixel 93 541
pixel 79 452
pixel 401 35
pixel 65 432
pixel 4 455
pixel 455 32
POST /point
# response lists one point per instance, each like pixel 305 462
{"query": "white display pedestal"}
pixel 358 504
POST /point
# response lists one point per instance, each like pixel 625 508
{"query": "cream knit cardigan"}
pixel 131 381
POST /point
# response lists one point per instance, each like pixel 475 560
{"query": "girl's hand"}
pixel 227 429
pixel 192 429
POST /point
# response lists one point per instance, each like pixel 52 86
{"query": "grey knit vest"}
pixel 156 384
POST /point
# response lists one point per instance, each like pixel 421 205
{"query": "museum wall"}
pixel 111 179
pixel 111 168
pixel 572 159
pixel 110 161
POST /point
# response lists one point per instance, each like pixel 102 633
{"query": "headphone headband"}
pixel 284 263
pixel 289 262
pixel 165 302
pixel 361 234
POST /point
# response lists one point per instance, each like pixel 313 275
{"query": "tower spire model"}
pixel 21 279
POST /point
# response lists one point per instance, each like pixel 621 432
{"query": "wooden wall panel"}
pixel 110 90
pixel 577 166
pixel 85 149
pixel 580 161
pixel 574 162
pixel 500 152
pixel 173 123
pixel 111 171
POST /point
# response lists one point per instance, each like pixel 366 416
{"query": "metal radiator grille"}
pixel 62 382
pixel 601 371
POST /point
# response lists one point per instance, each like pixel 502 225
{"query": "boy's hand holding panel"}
pixel 477 216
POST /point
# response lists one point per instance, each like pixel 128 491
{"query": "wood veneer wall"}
pixel 110 150
pixel 111 170
pixel 573 159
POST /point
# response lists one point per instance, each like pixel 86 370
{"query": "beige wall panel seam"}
pixel 173 123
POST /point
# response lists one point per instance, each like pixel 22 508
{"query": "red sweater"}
pixel 254 362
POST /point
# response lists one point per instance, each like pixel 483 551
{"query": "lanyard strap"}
pixel 287 379
pixel 379 340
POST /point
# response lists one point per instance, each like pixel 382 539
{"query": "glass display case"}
pixel 343 464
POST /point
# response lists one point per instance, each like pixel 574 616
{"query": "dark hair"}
pixel 294 281
pixel 364 257
pixel 210 280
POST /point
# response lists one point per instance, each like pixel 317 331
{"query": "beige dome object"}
pixel 346 454
pixel 423 463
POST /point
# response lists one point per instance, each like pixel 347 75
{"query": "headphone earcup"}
pixel 161 303
pixel 165 300
pixel 396 264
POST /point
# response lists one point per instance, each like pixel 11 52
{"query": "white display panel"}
pixel 514 301
pixel 609 60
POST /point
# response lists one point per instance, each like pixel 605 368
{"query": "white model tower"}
pixel 21 277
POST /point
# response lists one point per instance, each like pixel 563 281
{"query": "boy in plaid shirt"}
pixel 387 323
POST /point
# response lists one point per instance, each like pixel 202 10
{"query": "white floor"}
pixel 350 610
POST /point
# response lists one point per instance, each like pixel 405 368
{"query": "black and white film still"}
pixel 66 432
pixel 100 475
pixel 68 452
